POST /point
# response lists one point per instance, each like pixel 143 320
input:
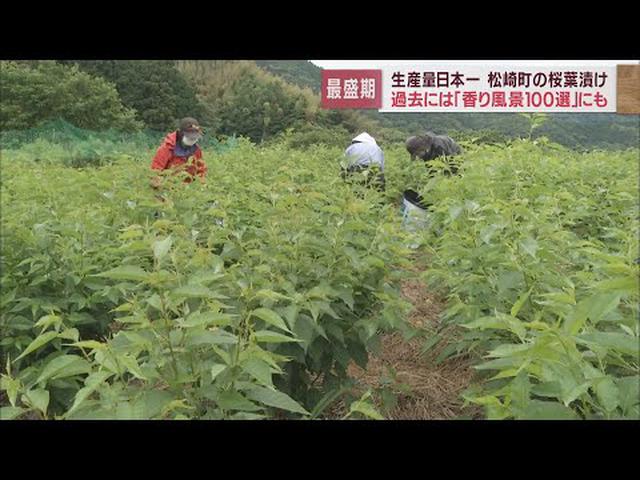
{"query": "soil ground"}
pixel 424 390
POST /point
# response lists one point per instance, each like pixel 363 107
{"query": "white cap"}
pixel 365 138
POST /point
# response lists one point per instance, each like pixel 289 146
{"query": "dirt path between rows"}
pixel 431 391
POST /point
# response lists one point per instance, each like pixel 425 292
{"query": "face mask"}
pixel 189 141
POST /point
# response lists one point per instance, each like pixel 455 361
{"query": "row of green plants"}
pixel 536 249
pixel 243 297
pixel 247 297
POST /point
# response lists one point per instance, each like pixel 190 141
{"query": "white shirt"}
pixel 365 154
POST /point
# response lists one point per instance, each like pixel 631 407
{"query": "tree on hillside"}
pixel 259 109
pixel 156 89
pixel 37 91
pixel 247 100
pixel 297 72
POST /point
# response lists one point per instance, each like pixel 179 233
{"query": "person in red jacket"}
pixel 180 151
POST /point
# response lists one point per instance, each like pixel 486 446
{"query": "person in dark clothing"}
pixel 430 146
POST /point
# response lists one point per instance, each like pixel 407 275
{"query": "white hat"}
pixel 365 138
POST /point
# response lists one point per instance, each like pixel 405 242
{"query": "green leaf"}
pixel 206 319
pixel 543 410
pixel 64 366
pixel 11 386
pixel 520 389
pixel 70 334
pixel 125 410
pixel 314 308
pixel 205 278
pixel 196 291
pixel 162 247
pixel 258 370
pixel 548 389
pixel 291 315
pixel 48 320
pixel 509 349
pixel 11 413
pixel 206 337
pixel 500 363
pixel 305 330
pixel 233 400
pixel 447 352
pixel 366 409
pixel 454 212
pixel 336 333
pixel 530 246
pixel 216 370
pixel 275 399
pixel 153 402
pixel 510 281
pixel 327 400
pixel 37 343
pixel 267 336
pixel 271 318
pixel 575 321
pixel 611 340
pixel 567 378
pixel 594 308
pixel 38 399
pixel 90 344
pixel 127 272
pixel 487 232
pixel 132 366
pixel 576 392
pixel 558 298
pixel 627 285
pixel 485 400
pixel 500 322
pixel 359 353
pixel 601 305
pixel 511 372
pixel 346 296
pixel 154 301
pixel 629 392
pixel 226 358
pixel 174 405
pixel 520 302
pixel 607 393
pixel 92 383
pixel 271 295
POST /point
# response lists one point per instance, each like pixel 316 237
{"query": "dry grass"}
pixel 432 392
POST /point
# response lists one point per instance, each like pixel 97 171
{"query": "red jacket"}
pixel 165 158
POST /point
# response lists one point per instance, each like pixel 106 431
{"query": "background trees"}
pixel 155 89
pixel 34 92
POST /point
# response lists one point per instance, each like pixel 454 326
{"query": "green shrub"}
pixel 34 92
pixel 536 248
pixel 245 297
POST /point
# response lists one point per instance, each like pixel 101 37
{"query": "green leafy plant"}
pixel 536 248
pixel 245 297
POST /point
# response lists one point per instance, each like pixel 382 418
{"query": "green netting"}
pixel 65 134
